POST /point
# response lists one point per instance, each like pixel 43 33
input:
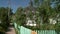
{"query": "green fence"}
pixel 23 30
pixel 46 32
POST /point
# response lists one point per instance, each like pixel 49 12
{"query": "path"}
pixel 12 31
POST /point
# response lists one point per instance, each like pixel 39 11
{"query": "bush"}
pixel 42 27
pixel 57 28
pixel 2 32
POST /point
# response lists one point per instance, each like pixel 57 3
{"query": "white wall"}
pixel 52 21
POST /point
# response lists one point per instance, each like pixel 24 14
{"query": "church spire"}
pixel 31 3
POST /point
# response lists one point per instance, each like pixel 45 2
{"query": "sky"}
pixel 14 4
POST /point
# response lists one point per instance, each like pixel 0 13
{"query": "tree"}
pixel 20 16
pixel 57 17
pixel 44 10
pixel 4 18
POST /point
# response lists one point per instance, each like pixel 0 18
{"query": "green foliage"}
pixel 42 27
pixel 30 15
pixel 42 13
pixel 20 16
pixel 4 18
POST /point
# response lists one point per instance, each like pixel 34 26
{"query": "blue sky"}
pixel 14 3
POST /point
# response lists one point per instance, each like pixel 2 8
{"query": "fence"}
pixel 46 32
pixel 23 30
